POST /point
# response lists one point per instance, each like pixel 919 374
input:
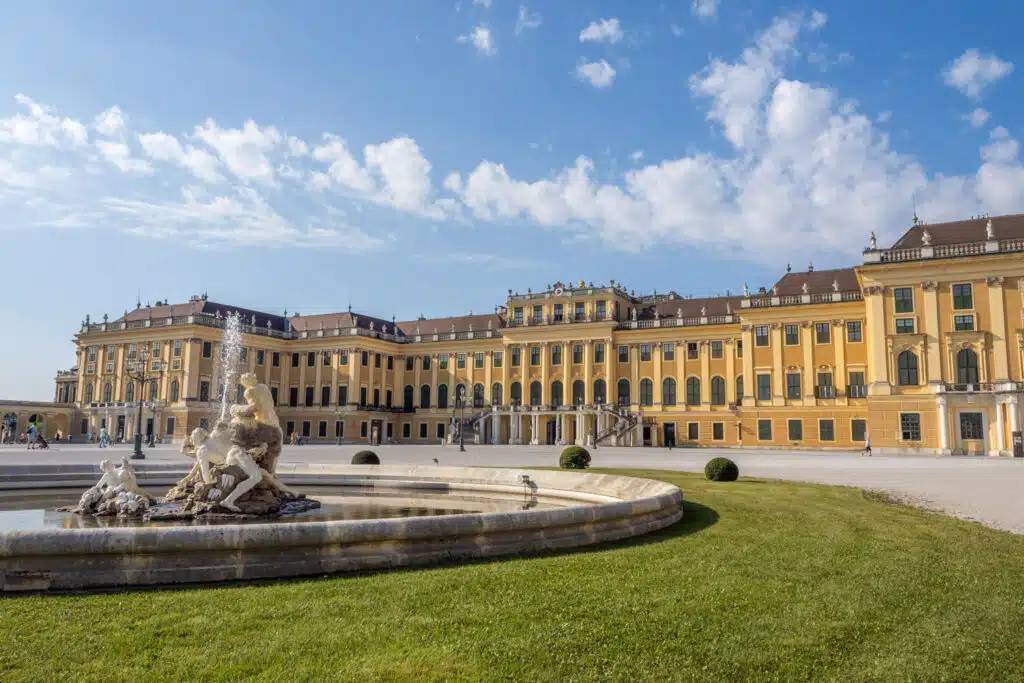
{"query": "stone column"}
pixel 930 328
pixel 874 336
pixel 657 350
pixel 705 374
pixel 417 369
pixel 634 375
pixel 839 344
pixel 567 373
pixel 940 401
pixel 495 429
pixel 545 362
pixel 810 376
pixel 1000 436
pixel 997 316
pixel 434 362
pixel 335 371
pixel 1011 406
pixel 749 380
pixel 506 390
pixel 534 425
pixel 588 372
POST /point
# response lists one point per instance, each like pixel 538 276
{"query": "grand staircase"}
pixel 625 420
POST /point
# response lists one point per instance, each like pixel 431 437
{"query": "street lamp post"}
pixel 462 422
pixel 139 371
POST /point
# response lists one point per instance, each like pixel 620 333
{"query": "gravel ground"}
pixel 982 489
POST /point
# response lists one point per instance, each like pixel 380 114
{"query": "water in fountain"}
pixel 231 350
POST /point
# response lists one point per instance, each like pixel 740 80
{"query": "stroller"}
pixel 41 443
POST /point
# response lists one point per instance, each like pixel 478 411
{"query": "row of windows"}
pixel 578 314
pixel 826 430
pixel 963 298
pixel 966 368
pixel 822 334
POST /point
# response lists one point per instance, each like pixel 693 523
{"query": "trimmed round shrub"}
pixel 574 458
pixel 721 469
pixel 365 458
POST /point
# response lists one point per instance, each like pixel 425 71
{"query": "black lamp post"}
pixel 462 421
pixel 138 371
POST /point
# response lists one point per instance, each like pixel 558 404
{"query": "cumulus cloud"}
pixel 110 122
pixel 39 126
pixel 599 74
pixel 972 72
pixel 526 20
pixel 602 31
pixel 977 118
pixel 243 150
pixel 704 8
pixel 120 155
pixel 481 39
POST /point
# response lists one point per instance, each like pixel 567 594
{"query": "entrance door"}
pixel 647 435
pixel 120 427
pixel 550 433
pixel 669 434
pixel 149 427
pixel 972 433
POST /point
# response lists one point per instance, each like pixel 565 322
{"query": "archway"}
pixel 11 422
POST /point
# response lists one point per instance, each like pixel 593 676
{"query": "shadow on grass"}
pixel 696 518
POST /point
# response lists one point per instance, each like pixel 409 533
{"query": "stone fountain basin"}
pixel 596 508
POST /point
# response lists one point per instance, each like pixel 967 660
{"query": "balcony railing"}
pixel 857 391
pixel 766 300
pixel 825 391
pixel 943 251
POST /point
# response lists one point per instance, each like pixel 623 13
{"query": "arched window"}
pixel 496 394
pixel 600 392
pixel 556 393
pixel 535 392
pixel 425 396
pixel 88 392
pixel 129 392
pixel 718 391
pixel 442 396
pixel 578 393
pixel 906 365
pixel 175 390
pixel 516 393
pixel 407 395
pixel 460 394
pixel 646 392
pixel 154 391
pixel 693 391
pixel 623 392
pixel 739 389
pixel 478 395
pixel 668 392
pixel 966 367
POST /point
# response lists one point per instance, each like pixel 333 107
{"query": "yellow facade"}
pixel 819 361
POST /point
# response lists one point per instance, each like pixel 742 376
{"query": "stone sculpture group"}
pixel 233 472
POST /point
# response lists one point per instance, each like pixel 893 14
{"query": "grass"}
pixel 762 581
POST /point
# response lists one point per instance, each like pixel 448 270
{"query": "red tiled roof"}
pixel 691 308
pixel 958 232
pixel 818 282
pixel 460 323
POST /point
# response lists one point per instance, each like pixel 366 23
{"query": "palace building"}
pixel 919 349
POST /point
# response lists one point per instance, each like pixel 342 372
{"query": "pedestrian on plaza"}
pixel 32 432
pixel 104 437
pixel 867 446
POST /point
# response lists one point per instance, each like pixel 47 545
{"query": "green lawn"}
pixel 761 581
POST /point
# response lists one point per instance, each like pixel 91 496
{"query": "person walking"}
pixel 867 446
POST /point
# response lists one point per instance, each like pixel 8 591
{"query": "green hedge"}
pixel 365 458
pixel 721 469
pixel 574 458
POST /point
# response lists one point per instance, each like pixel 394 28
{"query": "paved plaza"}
pixel 987 490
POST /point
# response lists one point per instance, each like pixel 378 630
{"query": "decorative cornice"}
pixel 874 291
pixel 930 285
pixel 996 281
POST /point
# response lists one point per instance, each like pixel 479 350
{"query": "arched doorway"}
pixel 11 422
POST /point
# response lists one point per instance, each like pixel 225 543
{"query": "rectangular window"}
pixel 796 430
pixel 273 395
pixel 497 359
pixel 293 396
pixel 365 359
pixel 133 350
pixel 478 360
pixel 92 354
pixel 309 396
pixel 580 314
pixel 825 387
pixel 110 350
pixel 343 357
pixel 693 431
pixel 442 362
pixel 322 429
pixel 598 353
pixel 793 385
pixel 204 391
pixel 425 364
pixel 362 396
pixel 423 430
pixel 764 430
pixel 963 323
pixel 910 426
pixel 853 332
pixel 716 349
pixel 903 298
pixel 559 313
pixel 556 355
pixel 376 360
pixel 295 360
pixel 261 357
pixel 325 396
pixel 904 326
pixel 109 367
pixel 577 353
pixel 668 352
pixel 692 350
pixel 792 335
pixel 362 429
pixel 170 426
pixel 534 355
pixel 761 335
pixel 311 359
pixel 963 298
pixel 305 428
pixel 207 350
pixel 823 333
pixel 645 352
pixel 517 315
pixel 859 430
pixel 623 354
pixel 440 430
pixel 391 362
pixel 764 387
pixel 857 388
pixel 718 431
pixel 339 429
pixel 326 359
pixel 826 430
pixel 538 313
pixel 602 309
pixel 460 360
pixel 410 363
pixel 406 430
pixel 517 356
pixel 176 352
pixel 739 348
pixel 243 355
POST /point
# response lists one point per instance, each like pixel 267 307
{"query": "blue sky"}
pixel 424 157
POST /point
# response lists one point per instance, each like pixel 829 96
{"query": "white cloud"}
pixel 480 37
pixel 603 30
pixel 599 74
pixel 404 174
pixel 884 117
pixel 483 3
pixel 110 122
pixel 637 156
pixel 244 151
pixel 817 20
pixel 972 72
pixel 526 20
pixel 343 168
pixel 164 147
pixel 677 30
pixel 41 127
pixel 977 118
pixel 120 155
pixel 704 8
pixel 161 146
